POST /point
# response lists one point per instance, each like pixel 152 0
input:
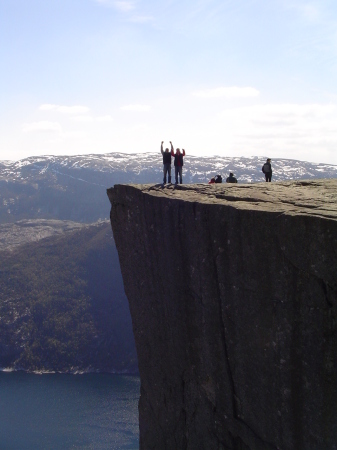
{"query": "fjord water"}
pixel 59 411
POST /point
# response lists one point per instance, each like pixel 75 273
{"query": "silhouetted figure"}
pixel 178 163
pixel 231 178
pixel 266 169
pixel 167 160
pixel 216 179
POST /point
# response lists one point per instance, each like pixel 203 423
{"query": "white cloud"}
pixel 83 118
pixel 77 109
pixel 284 129
pixel 87 118
pixel 309 11
pixel 106 118
pixel 228 92
pixel 76 135
pixel 136 107
pixel 122 6
pixel 43 126
pixel 141 19
pixel 286 113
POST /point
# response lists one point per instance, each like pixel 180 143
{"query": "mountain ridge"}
pixel 45 203
pixel 195 166
pixel 73 187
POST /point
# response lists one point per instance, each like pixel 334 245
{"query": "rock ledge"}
pixel 233 293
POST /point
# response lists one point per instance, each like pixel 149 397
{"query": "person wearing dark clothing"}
pixel 231 178
pixel 266 169
pixel 216 179
pixel 167 159
pixel 178 163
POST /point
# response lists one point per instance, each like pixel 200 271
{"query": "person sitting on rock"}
pixel 231 178
pixel 178 163
pixel 167 159
pixel 266 169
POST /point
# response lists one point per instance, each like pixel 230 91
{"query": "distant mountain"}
pixel 73 187
pixel 63 305
pixel 32 230
pixel 62 301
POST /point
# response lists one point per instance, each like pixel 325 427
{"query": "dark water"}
pixel 55 411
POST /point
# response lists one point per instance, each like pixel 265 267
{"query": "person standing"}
pixel 167 160
pixel 267 170
pixel 231 178
pixel 178 163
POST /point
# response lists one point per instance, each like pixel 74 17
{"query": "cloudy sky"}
pixel 217 77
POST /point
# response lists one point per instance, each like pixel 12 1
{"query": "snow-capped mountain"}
pixel 38 198
pixel 148 167
pixel 73 187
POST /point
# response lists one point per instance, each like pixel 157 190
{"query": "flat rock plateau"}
pixel 233 292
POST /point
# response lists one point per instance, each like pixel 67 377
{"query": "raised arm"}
pixel 183 152
pixel 161 147
pixel 172 149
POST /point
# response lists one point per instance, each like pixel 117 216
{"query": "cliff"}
pixel 232 291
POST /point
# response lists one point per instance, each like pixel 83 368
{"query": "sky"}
pixel 215 77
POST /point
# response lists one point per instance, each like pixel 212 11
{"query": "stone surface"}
pixel 232 291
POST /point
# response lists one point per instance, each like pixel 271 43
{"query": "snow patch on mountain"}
pixel 148 167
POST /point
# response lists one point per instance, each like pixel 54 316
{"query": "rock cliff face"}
pixel 232 291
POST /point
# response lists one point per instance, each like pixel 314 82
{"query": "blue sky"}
pixel 217 77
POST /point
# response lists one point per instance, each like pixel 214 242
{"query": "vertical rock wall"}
pixel 232 292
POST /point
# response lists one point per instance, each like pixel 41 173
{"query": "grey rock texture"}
pixel 233 293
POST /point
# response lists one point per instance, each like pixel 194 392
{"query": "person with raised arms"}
pixel 178 163
pixel 167 160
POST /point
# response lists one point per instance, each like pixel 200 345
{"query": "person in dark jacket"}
pixel 167 159
pixel 231 178
pixel 178 163
pixel 266 169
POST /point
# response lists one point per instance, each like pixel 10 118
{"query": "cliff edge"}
pixel 233 293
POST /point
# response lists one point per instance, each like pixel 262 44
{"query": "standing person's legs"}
pixel 181 174
pixel 268 177
pixel 167 170
pixel 169 173
pixel 176 170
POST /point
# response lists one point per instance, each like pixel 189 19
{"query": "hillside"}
pixel 63 304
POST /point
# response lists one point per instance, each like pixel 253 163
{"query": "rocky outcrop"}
pixel 232 291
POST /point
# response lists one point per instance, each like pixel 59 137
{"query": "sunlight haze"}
pixel 217 77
